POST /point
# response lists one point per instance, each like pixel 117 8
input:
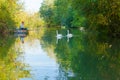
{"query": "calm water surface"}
pixel 47 57
pixel 42 66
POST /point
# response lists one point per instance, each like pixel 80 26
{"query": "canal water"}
pixel 51 54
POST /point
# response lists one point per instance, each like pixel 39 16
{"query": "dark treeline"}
pixel 101 16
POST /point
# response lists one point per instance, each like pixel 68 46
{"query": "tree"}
pixel 46 12
pixel 8 9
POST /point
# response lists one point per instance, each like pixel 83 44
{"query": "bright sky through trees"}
pixel 32 5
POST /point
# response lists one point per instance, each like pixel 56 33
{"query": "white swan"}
pixel 58 36
pixel 69 35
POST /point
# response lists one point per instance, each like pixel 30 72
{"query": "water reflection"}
pixel 10 67
pixel 21 34
pixel 86 56
pixel 42 66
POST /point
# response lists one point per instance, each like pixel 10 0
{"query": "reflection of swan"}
pixel 69 35
pixel 59 36
pixel 67 39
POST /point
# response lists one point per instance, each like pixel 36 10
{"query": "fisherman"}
pixel 22 25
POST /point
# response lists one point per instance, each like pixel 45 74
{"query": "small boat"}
pixel 21 31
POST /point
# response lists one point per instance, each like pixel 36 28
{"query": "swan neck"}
pixel 68 31
pixel 57 32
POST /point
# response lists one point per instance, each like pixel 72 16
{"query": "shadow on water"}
pixel 10 67
pixel 86 56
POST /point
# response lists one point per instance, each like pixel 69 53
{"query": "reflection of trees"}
pixel 98 61
pixel 87 57
pixel 10 67
pixel 49 37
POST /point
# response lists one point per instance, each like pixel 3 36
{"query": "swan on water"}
pixel 58 36
pixel 69 35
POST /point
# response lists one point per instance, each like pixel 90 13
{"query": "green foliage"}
pixel 8 9
pixel 102 16
pixel 63 13
pixel 11 15
pixel 60 13
pixel 96 15
pixel 46 12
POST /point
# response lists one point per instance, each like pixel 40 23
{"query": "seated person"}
pixel 22 25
